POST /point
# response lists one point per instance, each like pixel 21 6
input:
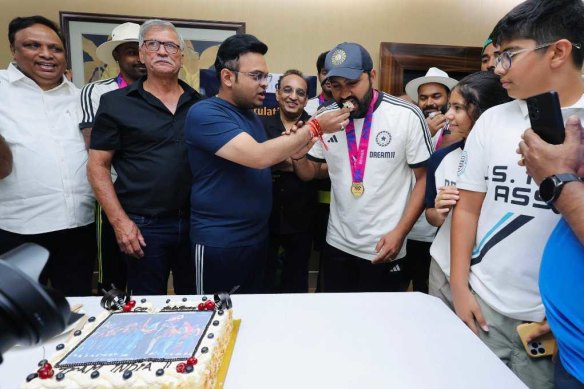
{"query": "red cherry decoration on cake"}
pixel 44 374
pixel 209 305
pixel 132 303
pixel 46 371
pixel 201 306
pixel 192 361
pixel 180 368
pixel 127 308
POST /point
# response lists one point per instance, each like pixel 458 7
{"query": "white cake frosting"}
pixel 144 374
pixel 348 104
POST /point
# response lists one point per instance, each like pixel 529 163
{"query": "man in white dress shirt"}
pixel 45 198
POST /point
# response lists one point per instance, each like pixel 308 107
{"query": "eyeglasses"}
pixel 154 45
pixel 256 76
pixel 505 58
pixel 288 90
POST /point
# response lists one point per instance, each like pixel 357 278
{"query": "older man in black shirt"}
pixel 294 201
pixel 140 130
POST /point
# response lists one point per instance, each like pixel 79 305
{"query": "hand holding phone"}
pixel 545 115
pixel 542 346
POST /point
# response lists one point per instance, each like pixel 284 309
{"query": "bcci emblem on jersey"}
pixel 383 138
pixel 462 163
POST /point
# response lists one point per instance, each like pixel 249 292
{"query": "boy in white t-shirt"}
pixel 500 224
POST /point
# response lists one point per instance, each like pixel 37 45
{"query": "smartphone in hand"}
pixel 545 116
pixel 544 346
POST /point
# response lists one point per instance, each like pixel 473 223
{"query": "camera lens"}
pixel 533 110
pixel 29 312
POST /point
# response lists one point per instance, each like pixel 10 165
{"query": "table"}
pixel 357 340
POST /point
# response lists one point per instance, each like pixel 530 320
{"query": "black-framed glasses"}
pixel 256 76
pixel 505 59
pixel 154 45
pixel 288 90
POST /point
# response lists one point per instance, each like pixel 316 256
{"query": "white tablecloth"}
pixel 366 340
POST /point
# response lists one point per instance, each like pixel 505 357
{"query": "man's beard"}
pixel 326 91
pixel 362 105
pixel 245 102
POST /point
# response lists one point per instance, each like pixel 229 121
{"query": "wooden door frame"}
pixel 397 58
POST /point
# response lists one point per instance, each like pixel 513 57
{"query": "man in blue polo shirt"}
pixel 230 161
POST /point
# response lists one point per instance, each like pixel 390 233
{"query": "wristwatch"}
pixel 551 187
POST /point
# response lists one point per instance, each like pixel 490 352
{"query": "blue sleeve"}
pixel 210 127
pixel 433 165
pixel 431 181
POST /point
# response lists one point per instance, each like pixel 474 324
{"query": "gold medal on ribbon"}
pixel 357 189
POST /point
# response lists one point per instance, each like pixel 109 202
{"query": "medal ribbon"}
pixel 320 99
pixel 358 156
pixel 122 83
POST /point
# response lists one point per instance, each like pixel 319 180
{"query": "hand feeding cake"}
pixel 180 345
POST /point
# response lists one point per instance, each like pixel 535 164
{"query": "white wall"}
pixel 296 31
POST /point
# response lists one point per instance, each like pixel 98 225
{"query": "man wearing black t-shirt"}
pixel 140 130
pixel 294 201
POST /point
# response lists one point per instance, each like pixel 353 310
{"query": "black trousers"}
pixel 221 269
pixel 110 259
pixel 293 261
pixel 343 272
pixel 322 216
pixel 417 264
pixel 71 260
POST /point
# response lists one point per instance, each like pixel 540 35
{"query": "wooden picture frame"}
pixel 401 62
pixel 83 32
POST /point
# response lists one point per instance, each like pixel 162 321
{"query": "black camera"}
pixel 30 313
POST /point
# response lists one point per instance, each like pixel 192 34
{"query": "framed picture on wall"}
pixel 402 62
pixel 84 32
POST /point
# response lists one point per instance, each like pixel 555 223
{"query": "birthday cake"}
pixel 180 345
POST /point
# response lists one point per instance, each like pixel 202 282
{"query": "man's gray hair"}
pixel 161 24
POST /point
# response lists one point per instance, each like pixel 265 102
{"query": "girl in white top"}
pixel 468 100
